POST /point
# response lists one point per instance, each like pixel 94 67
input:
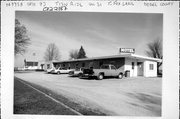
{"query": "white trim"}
pixel 133 56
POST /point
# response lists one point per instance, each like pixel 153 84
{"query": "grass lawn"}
pixel 29 101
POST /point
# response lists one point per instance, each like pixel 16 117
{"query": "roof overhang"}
pixel 145 58
pixel 132 56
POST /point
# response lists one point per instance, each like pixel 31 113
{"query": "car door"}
pixel 113 70
pixel 58 70
pixel 106 70
pixel 63 70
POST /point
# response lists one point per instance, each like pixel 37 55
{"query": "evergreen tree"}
pixel 81 53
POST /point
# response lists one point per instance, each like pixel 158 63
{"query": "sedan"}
pixel 61 71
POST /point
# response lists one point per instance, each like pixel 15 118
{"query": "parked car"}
pixel 105 70
pixel 76 72
pixel 61 70
pixel 49 70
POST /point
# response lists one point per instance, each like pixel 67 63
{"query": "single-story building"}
pixel 136 64
pixel 37 65
pixel 30 65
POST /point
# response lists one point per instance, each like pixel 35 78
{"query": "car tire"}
pixel 100 76
pixel 120 76
pixel 80 75
pixel 58 72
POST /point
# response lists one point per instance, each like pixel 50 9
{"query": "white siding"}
pixel 128 66
pixel 45 65
pixel 147 71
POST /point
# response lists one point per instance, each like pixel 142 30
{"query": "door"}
pixel 114 71
pixel 42 66
pixel 140 68
pixel 63 70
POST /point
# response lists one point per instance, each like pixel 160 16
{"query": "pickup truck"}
pixel 105 70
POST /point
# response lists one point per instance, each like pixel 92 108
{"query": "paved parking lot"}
pixel 125 97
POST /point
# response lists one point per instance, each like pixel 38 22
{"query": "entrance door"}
pixel 140 68
pixel 42 66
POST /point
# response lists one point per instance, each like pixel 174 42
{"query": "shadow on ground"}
pixel 146 101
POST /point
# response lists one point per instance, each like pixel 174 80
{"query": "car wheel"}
pixel 100 76
pixel 120 76
pixel 58 72
pixel 80 75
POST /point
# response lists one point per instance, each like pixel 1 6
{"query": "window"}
pixel 104 67
pixel 83 64
pixel 112 62
pixel 113 67
pixel 63 65
pixel 69 66
pixel 48 66
pixel 35 63
pixel 76 65
pixel 132 65
pixel 91 64
pixel 151 67
pixel 100 64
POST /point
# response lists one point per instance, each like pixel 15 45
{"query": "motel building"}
pixel 136 65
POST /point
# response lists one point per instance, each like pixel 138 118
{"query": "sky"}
pixel 100 34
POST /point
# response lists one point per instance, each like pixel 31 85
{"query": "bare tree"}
pixel 73 54
pixel 155 50
pixel 21 38
pixel 52 53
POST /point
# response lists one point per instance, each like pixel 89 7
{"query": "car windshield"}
pixel 77 69
pixel 113 67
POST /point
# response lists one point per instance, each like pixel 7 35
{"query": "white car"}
pixel 61 70
pixel 50 70
pixel 76 72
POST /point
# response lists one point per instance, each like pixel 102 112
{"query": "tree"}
pixel 52 53
pixel 81 53
pixel 21 38
pixel 155 51
pixel 73 54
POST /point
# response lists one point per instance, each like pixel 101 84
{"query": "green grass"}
pixel 29 101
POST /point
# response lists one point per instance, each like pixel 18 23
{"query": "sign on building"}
pixel 126 50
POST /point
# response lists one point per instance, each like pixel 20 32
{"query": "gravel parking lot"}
pixel 124 97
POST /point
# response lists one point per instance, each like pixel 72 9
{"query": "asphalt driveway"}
pixel 124 97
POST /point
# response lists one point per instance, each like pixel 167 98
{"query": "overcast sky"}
pixel 101 34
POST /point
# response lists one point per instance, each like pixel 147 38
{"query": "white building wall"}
pixel 147 71
pixel 45 65
pixel 128 66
